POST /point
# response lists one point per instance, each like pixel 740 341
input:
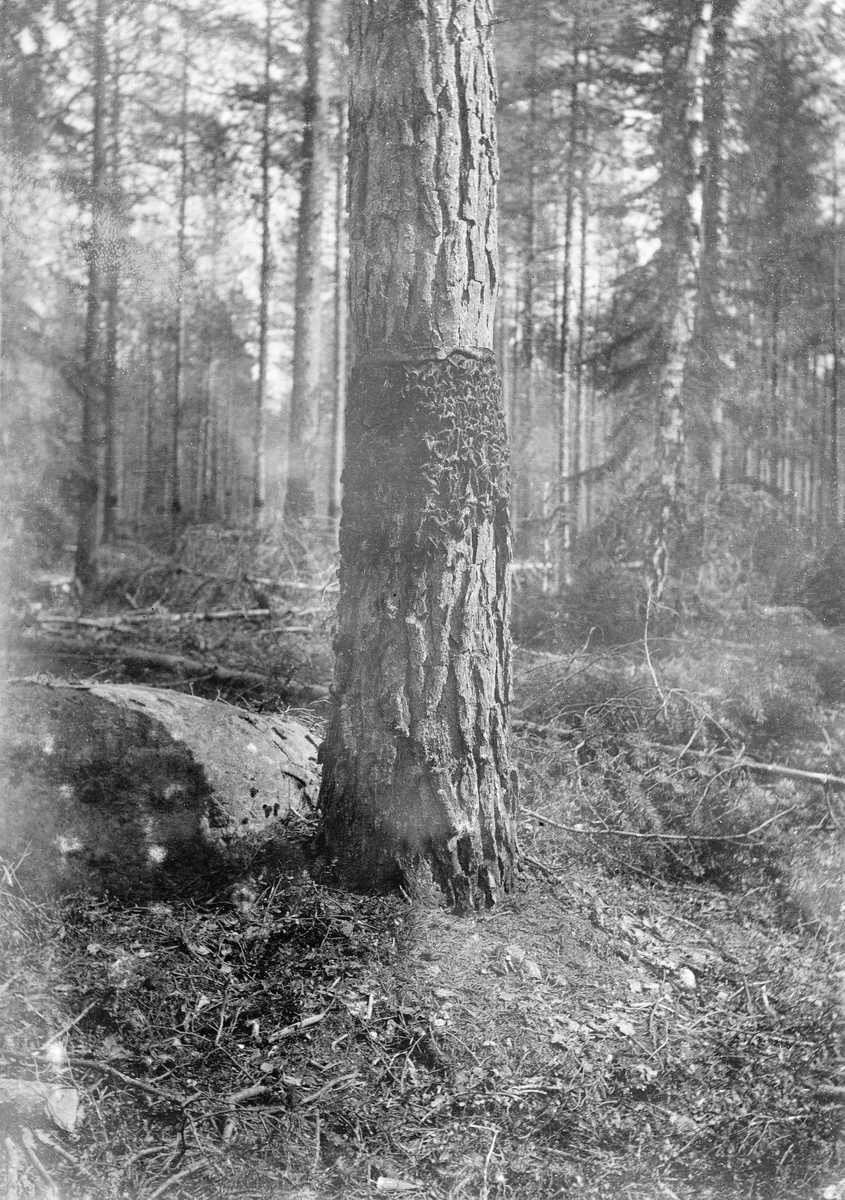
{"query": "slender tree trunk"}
pixel 682 238
pixel 566 421
pixel 259 465
pixel 581 393
pixel 300 497
pixel 528 396
pixel 711 302
pixel 341 311
pixel 86 537
pixel 229 457
pixel 146 437
pixel 833 500
pixel 417 782
pixel 110 491
pixel 203 444
pixel 111 499
pixel 173 498
pixel 501 342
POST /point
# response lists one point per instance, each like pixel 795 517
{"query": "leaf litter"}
pixel 641 1019
pixel 289 1035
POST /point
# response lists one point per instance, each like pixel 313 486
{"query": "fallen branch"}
pixel 32 1154
pixel 93 1064
pixel 140 618
pixel 168 1183
pixel 175 663
pixel 659 837
pixel 724 761
pixel 294 585
pixel 751 764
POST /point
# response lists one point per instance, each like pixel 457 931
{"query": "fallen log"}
pixel 139 790
pixel 44 648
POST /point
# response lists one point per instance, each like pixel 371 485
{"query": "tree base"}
pixel 416 774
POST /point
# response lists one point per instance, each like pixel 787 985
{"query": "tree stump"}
pixel 139 790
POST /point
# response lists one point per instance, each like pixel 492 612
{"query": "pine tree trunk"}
pixel 528 396
pixel 712 303
pixel 259 472
pixel 417 783
pixel 341 313
pixel 581 393
pixel 300 496
pixel 832 498
pixel 111 492
pixel 146 437
pixel 85 567
pixel 173 498
pixel 567 433
pixel 682 190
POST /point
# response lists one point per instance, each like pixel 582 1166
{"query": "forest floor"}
pixel 656 1010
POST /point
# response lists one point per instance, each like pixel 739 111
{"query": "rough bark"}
pixel 681 236
pixel 300 497
pixel 417 783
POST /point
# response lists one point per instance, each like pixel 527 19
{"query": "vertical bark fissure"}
pixel 417 782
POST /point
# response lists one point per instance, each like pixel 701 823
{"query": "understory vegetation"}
pixel 655 1011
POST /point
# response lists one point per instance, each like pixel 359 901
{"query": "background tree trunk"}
pixel 566 423
pixel 112 288
pixel 259 497
pixel 417 782
pixel 85 567
pixel 300 498
pixel 173 497
pixel 341 313
pixel 682 190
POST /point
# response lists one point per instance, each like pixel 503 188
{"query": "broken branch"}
pixel 177 664
pixel 659 837
pixel 724 761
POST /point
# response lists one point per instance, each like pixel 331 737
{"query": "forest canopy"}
pixel 174 247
